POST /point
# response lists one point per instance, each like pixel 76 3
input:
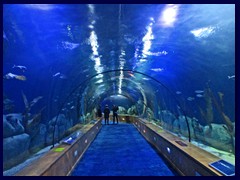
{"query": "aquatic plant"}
pixel 28 106
pixel 211 101
pixel 229 126
pixel 208 114
pixel 32 126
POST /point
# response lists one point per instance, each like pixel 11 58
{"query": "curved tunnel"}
pixel 106 93
pixel 170 64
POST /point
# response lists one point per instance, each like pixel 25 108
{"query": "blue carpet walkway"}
pixel 120 150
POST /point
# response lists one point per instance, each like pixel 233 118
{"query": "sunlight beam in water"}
pixel 169 15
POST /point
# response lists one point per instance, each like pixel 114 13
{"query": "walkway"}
pixel 120 150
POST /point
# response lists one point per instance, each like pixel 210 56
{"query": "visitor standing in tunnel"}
pixel 99 112
pixel 106 112
pixel 115 114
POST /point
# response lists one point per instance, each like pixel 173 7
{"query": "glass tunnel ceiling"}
pixel 125 86
pixel 172 65
pixel 182 46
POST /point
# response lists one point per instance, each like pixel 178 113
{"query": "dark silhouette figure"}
pixel 106 112
pixel 115 115
pixel 99 111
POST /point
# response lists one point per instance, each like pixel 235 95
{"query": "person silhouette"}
pixel 115 114
pixel 99 112
pixel 106 112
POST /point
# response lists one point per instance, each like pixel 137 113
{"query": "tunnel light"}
pixel 86 141
pixel 94 41
pixel 144 131
pixel 91 8
pixel 90 26
pixel 97 127
pixel 154 138
pixel 169 15
pixel 168 150
pixel 147 40
pixel 120 82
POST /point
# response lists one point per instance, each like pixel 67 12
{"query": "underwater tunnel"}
pixel 170 69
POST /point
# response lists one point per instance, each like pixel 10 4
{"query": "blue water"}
pixel 151 57
pixel 120 150
pixel 56 38
pixel 176 48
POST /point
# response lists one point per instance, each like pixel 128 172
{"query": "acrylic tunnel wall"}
pixel 172 65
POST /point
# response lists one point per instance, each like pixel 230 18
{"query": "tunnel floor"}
pixel 120 150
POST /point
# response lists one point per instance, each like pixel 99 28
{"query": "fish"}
pixel 190 98
pixel 231 77
pixel 61 76
pixel 157 69
pixel 57 74
pixel 178 92
pixel 199 95
pixel 14 76
pixel 24 68
pixel 199 91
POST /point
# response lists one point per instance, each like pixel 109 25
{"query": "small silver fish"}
pixel 199 95
pixel 157 69
pixel 178 92
pixel 62 76
pixel 199 91
pixel 231 77
pixel 57 74
pixel 24 68
pixel 190 98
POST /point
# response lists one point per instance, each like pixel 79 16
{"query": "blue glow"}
pixel 147 40
pixel 44 7
pixel 94 44
pixel 169 15
pixel 203 32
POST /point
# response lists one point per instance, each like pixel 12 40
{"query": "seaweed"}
pixel 208 114
pixel 220 109
pixel 32 126
pixel 28 106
